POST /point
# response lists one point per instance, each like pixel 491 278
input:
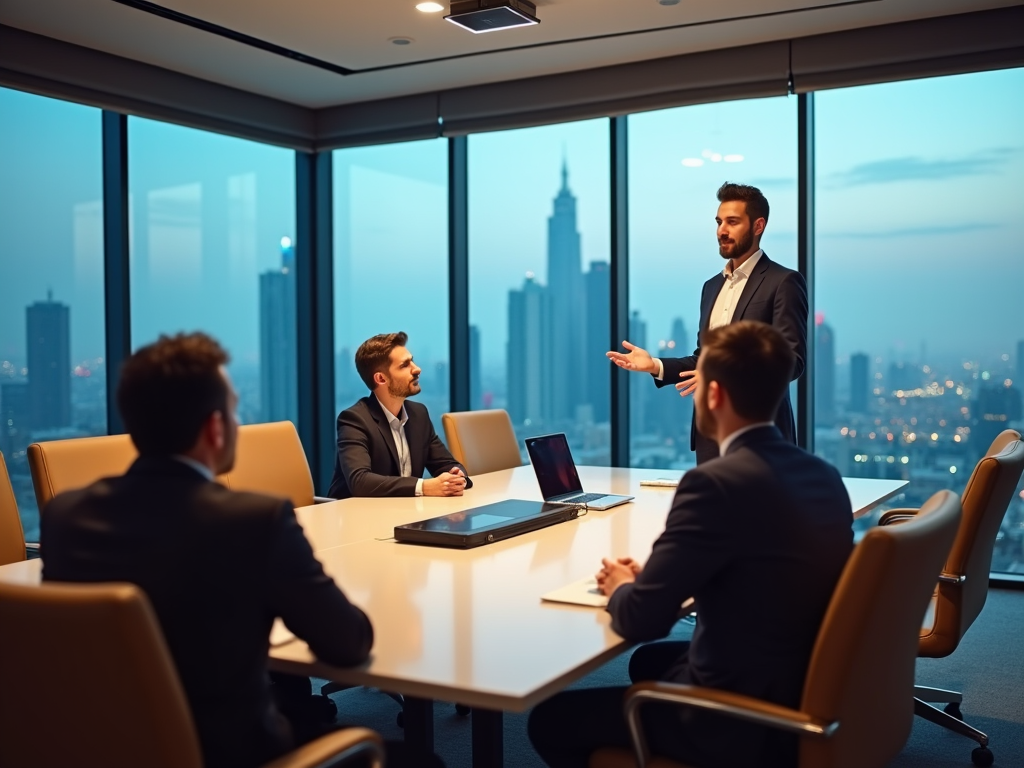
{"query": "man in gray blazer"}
pixel 750 287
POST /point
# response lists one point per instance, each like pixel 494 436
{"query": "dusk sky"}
pixel 918 204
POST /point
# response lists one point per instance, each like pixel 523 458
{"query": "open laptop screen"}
pixel 552 461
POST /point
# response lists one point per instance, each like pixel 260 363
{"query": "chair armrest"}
pixel 895 516
pixel 32 551
pixel 724 703
pixel 336 748
pixel 322 499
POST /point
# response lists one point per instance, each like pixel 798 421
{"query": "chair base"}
pixel 937 695
pixel 948 721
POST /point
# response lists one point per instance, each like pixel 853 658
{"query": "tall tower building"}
pixel 860 383
pixel 675 412
pixel 278 339
pixel 596 367
pixel 824 372
pixel 530 372
pixel 476 390
pixel 48 328
pixel 638 390
pixel 565 284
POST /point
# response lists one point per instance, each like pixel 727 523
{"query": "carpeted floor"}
pixel 988 668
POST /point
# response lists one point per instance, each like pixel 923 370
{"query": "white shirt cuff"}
pixel 660 375
pixel 419 487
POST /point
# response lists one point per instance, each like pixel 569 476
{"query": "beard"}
pixel 737 247
pixel 406 390
pixel 705 420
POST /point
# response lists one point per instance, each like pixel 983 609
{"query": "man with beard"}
pixel 384 442
pixel 758 537
pixel 751 287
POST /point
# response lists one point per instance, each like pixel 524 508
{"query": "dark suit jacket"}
pixel 367 460
pixel 759 538
pixel 774 295
pixel 218 566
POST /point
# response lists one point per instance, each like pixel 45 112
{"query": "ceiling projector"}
pixel 490 15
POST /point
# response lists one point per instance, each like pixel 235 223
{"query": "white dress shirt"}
pixel 401 444
pixel 198 466
pixel 728 297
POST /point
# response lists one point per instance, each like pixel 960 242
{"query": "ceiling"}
pixel 354 36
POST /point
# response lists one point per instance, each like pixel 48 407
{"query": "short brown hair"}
pixel 753 362
pixel 168 389
pixel 374 355
pixel 756 202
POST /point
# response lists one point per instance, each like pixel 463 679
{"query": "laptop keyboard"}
pixel 584 498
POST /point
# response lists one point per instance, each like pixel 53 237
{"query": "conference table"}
pixel 469 626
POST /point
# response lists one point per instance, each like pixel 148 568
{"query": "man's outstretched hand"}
pixel 636 359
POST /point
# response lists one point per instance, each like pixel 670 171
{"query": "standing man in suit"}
pixel 750 287
pixel 386 441
pixel 759 537
pixel 217 565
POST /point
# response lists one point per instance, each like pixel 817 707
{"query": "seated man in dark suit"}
pixel 385 441
pixel 217 565
pixel 759 537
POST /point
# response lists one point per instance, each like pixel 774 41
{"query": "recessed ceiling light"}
pixel 430 7
pixel 400 40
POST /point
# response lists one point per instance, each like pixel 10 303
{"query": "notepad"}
pixel 582 592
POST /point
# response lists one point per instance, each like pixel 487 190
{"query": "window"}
pixel 212 249
pixel 52 343
pixel 539 281
pixel 919 271
pixel 391 261
pixel 677 160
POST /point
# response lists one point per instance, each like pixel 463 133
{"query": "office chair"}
pixel 482 441
pixel 963 583
pixel 103 642
pixel 12 535
pixel 855 709
pixel 270 459
pixel 63 465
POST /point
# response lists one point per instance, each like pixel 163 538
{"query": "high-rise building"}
pixel 14 411
pixel 824 372
pixel 638 390
pixel 48 330
pixel 476 391
pixel 278 339
pixel 675 415
pixel 860 383
pixel 530 372
pixel 993 410
pixel 565 285
pixel 597 332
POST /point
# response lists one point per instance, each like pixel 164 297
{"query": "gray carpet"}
pixel 988 668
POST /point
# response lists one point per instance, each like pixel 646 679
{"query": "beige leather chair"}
pixel 63 465
pixel 482 441
pixel 963 584
pixel 103 642
pixel 12 535
pixel 270 459
pixel 856 708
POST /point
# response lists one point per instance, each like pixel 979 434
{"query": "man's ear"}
pixel 379 378
pixel 215 429
pixel 715 396
pixel 759 225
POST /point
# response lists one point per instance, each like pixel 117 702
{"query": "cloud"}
pixel 918 169
pixel 952 229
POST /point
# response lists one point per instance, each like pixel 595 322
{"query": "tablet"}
pixel 483 525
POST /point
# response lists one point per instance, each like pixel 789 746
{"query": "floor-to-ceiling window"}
pixel 920 281
pixel 391 261
pixel 678 158
pixel 539 281
pixel 52 343
pixel 212 249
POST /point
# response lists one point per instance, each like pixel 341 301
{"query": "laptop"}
pixel 556 473
pixel 486 524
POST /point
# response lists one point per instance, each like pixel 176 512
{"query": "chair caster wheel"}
pixel 400 719
pixel 953 709
pixel 982 757
pixel 462 710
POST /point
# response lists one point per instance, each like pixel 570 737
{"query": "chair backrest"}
pixel 12 535
pixel 985 500
pixel 862 668
pixel 482 441
pixel 270 459
pixel 101 643
pixel 63 465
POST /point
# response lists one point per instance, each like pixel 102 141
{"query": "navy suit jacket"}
pixel 217 566
pixel 367 458
pixel 773 294
pixel 759 538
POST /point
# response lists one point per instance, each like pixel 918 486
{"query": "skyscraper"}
pixel 48 328
pixel 565 285
pixel 278 386
pixel 529 355
pixel 860 384
pixel 596 367
pixel 638 390
pixel 824 372
pixel 476 391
